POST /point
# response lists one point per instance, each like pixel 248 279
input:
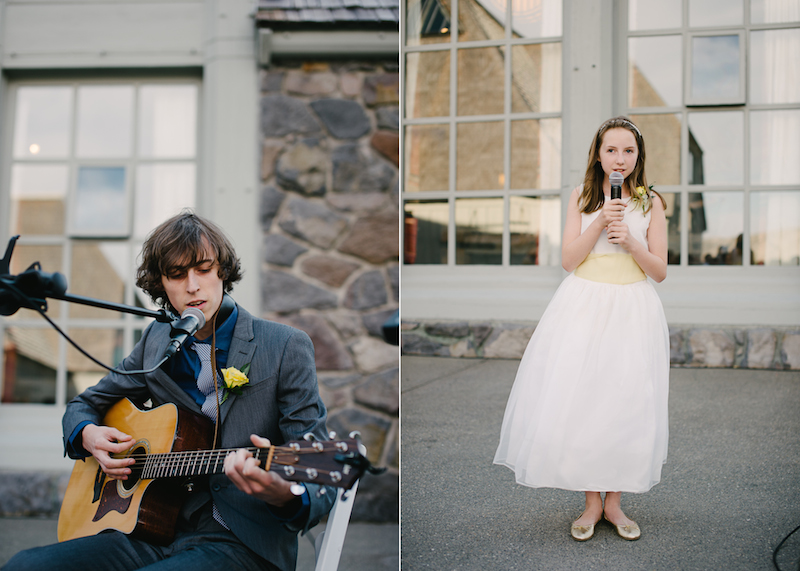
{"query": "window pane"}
pixel 654 14
pixel 428 84
pixel 673 213
pixel 716 148
pixel 427 22
pixel 655 73
pixel 100 202
pixel 715 67
pixel 775 228
pixel 105 121
pixel 535 225
pixel 481 20
pixel 167 121
pixel 29 365
pixel 99 270
pixel 535 18
pixel 715 12
pixel 425 232
pixel 775 66
pixel 162 190
pixel 775 147
pixel 480 81
pixel 715 236
pixel 479 230
pixel 37 199
pixel 536 78
pixel 479 156
pixel 42 122
pixel 427 158
pixel 774 11
pixel 662 135
pixel 50 260
pixel 536 153
pixel 105 345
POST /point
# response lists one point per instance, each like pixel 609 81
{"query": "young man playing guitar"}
pixel 247 518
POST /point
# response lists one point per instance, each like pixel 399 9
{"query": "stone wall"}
pixel 690 345
pixel 330 235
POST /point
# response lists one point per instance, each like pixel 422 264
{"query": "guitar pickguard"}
pixel 111 501
pixel 116 495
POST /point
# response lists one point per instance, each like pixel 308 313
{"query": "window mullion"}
pixel 746 200
pixel 451 203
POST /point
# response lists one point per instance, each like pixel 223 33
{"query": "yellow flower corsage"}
pixel 235 380
pixel 642 198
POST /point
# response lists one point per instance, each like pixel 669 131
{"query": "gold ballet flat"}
pixel 630 532
pixel 582 532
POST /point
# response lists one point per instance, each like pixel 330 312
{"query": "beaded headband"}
pixel 635 128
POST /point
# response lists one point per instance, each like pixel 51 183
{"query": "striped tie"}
pixel 205 383
pixel 205 380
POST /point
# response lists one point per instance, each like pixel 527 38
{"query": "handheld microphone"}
pixel 616 179
pixel 192 319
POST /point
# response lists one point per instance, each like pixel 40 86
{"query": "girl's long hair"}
pixel 592 197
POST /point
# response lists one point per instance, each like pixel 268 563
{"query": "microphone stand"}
pixel 42 285
pixel 160 315
pixel 54 286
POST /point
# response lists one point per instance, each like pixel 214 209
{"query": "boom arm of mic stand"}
pixel 161 315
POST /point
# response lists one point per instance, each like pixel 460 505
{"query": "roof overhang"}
pixel 326 44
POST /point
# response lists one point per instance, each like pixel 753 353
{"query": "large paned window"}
pixel 92 167
pixel 482 120
pixel 714 86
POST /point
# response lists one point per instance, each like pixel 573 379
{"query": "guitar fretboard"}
pixel 189 463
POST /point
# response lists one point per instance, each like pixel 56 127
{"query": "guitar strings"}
pixel 181 462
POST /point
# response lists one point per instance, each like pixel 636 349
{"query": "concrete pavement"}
pixel 367 547
pixel 730 490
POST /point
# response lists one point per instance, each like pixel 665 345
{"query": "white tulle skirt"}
pixel 588 409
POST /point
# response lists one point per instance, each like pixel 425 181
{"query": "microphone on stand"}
pixel 616 179
pixel 192 320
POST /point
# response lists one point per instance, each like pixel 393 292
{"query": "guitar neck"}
pixel 190 463
pixel 329 463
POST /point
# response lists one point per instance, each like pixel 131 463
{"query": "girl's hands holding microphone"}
pixel 617 230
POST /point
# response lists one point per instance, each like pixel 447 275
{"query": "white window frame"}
pixel 738 99
pixel 59 311
pixel 736 295
pixel 451 194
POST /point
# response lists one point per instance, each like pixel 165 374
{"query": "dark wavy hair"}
pixel 180 243
pixel 592 198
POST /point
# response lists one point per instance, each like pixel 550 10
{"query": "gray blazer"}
pixel 281 403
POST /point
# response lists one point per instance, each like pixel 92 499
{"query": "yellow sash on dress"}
pixel 617 269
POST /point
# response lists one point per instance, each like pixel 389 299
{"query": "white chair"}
pixel 329 543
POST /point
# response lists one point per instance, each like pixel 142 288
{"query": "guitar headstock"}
pixel 338 462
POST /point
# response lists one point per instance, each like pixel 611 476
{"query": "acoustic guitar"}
pixel 172 447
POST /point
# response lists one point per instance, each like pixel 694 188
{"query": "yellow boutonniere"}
pixel 642 197
pixel 235 380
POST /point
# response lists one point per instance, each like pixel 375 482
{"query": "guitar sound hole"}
pixel 133 477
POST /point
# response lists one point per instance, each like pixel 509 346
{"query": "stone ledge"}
pixel 32 494
pixel 724 346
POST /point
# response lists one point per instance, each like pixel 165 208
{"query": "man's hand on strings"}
pixel 103 441
pixel 247 475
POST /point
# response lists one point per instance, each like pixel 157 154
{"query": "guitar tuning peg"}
pixel 309 437
pixel 355 434
pixel 332 435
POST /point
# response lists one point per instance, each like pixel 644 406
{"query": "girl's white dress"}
pixel 588 409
